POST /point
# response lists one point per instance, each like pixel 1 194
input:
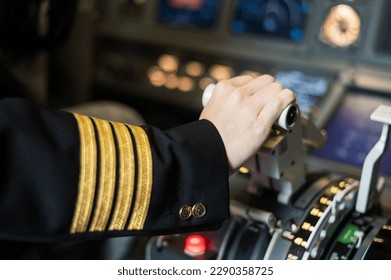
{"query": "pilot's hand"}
pixel 243 109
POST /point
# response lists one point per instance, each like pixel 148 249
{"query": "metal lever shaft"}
pixel 370 171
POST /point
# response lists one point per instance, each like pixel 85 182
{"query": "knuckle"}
pixel 278 86
pixel 238 91
pixel 223 86
pixel 289 95
pixel 268 78
pixel 252 74
pixel 237 94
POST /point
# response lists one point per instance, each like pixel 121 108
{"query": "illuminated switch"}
pixel 378 240
pixel 325 201
pixel 386 227
pixel 292 257
pixel 306 226
pixel 334 190
pixel 195 245
pixel 298 241
pixel 314 212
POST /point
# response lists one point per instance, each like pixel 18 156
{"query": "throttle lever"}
pixel 370 170
pixel 286 120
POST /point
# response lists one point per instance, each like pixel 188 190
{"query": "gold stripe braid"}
pixel 144 186
pixel 107 176
pixel 87 175
pixel 126 177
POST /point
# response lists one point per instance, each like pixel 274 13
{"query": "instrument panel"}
pixel 310 23
pixel 192 14
pixel 161 55
pixel 226 38
pixel 276 19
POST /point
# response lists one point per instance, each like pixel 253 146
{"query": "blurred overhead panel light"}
pixel 171 81
pixel 156 76
pixel 169 63
pixel 204 82
pixel 186 84
pixel 195 69
pixel 221 72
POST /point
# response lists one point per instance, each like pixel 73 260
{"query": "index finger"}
pixel 241 80
pixel 273 108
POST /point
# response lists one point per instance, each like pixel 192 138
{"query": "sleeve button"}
pixel 185 212
pixel 198 210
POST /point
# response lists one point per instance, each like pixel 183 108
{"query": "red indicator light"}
pixel 195 245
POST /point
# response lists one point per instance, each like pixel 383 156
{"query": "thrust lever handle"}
pixel 371 167
pixel 286 120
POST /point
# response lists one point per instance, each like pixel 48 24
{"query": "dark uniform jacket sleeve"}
pixel 65 176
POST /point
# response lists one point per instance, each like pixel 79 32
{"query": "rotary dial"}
pixel 341 27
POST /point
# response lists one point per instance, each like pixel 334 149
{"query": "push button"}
pixel 185 212
pixel 198 210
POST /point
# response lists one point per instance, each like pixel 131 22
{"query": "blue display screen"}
pixel 284 19
pixel 188 13
pixel 309 89
pixel 351 134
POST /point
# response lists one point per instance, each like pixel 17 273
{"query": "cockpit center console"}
pixel 287 213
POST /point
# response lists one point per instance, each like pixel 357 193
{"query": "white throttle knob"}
pixel 288 117
pixel 286 120
pixel 207 94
